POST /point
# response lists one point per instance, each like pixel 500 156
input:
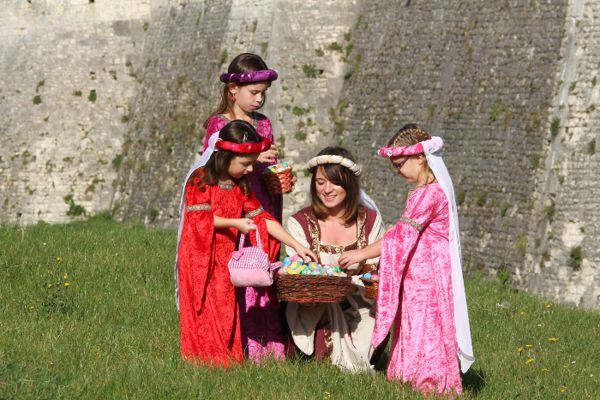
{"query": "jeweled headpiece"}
pixel 334 159
pixel 245 148
pixel 431 145
pixel 250 76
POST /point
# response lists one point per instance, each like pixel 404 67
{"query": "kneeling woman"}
pixel 336 221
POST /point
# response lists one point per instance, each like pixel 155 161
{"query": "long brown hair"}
pixel 245 62
pixel 236 131
pixel 341 176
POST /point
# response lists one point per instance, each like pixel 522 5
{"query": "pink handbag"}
pixel 250 266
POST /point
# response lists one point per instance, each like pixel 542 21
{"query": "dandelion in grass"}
pixel 67 284
pixel 520 349
pixel 562 389
pixel 66 276
pixel 548 305
pixel 50 285
pixel 522 313
pixel 58 259
pixel 529 346
pixel 552 339
pixel 326 395
pixel 530 360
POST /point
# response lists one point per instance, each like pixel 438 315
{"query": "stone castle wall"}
pixel 511 86
pixel 67 80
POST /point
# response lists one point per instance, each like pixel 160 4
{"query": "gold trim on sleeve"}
pixel 412 223
pixel 254 213
pixel 199 207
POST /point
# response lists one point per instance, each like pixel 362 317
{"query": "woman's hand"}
pixel 268 156
pixel 351 257
pixel 245 225
pixel 305 253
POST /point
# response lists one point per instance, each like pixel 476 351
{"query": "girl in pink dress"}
pixel 421 290
pixel 243 93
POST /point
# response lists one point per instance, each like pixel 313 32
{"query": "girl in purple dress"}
pixel 243 93
pixel 421 290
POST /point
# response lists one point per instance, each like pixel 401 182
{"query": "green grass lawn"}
pixel 87 311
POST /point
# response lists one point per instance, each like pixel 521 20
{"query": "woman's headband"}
pixel 245 148
pixel 432 145
pixel 334 159
pixel 250 76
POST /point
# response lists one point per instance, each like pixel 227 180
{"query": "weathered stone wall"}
pixel 102 106
pixel 482 76
pixel 67 79
pixel 511 86
pixel 178 73
pixel 563 257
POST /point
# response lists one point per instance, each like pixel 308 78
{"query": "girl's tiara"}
pixel 432 145
pixel 334 159
pixel 251 76
pixel 245 148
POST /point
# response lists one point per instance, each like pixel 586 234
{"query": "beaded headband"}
pixel 431 145
pixel 250 76
pixel 245 148
pixel 334 159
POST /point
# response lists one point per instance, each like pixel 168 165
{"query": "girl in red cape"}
pixel 216 206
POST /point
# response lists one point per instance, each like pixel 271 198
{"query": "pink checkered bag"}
pixel 250 266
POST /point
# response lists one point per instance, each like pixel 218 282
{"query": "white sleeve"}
pixel 296 231
pixel 377 233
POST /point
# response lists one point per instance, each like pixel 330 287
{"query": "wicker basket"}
pixel 313 288
pixel 371 288
pixel 279 182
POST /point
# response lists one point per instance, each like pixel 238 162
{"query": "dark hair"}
pixel 236 131
pixel 245 62
pixel 341 176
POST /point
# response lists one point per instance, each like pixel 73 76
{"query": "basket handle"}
pixel 243 238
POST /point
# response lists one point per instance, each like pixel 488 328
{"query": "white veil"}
pixel 200 163
pixel 433 152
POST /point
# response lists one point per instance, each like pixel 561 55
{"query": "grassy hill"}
pixel 87 311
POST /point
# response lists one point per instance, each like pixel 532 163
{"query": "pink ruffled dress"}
pixel 259 308
pixel 415 295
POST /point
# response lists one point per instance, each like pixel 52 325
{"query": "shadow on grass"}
pixel 473 381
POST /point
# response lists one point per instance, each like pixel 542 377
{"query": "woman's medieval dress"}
pixel 338 331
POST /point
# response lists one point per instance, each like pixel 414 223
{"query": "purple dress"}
pixel 415 295
pixel 259 308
